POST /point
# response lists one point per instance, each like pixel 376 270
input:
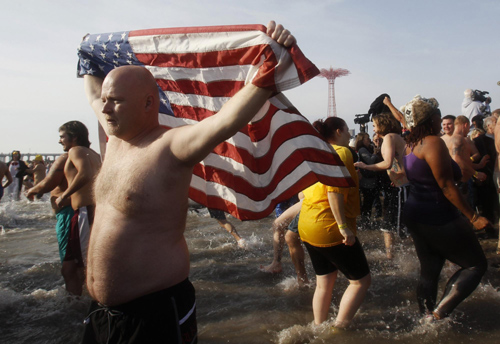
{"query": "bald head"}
pixel 130 101
pixel 138 80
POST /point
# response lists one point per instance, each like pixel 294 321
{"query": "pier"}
pixel 6 157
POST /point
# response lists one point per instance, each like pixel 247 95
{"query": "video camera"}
pixel 479 95
pixel 376 107
pixel 362 118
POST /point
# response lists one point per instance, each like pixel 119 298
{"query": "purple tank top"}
pixel 426 203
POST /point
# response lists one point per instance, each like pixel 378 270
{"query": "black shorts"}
pixel 350 260
pixel 217 214
pixel 166 316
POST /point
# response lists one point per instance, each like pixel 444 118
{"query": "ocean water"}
pixel 237 303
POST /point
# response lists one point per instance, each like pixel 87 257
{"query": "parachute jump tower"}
pixel 332 74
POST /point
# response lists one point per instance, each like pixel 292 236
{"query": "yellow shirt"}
pixel 317 225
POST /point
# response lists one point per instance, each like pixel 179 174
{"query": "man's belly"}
pixel 128 259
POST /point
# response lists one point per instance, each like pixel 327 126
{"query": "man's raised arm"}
pixel 191 144
pixel 93 87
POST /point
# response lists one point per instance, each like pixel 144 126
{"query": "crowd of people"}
pixel 119 222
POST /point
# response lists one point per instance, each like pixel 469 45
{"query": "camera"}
pixel 479 95
pixel 362 118
pixel 376 108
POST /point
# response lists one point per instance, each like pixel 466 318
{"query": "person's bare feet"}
pixel 242 243
pixel 303 282
pixel 388 253
pixel 273 268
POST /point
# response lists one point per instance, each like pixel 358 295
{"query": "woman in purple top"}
pixel 438 217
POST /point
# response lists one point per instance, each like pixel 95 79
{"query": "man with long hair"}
pixel 80 170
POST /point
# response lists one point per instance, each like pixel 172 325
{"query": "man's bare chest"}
pixel 134 184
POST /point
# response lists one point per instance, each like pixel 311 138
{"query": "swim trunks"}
pixel 166 316
pixel 217 214
pixel 78 241
pixel 63 228
pixel 1 191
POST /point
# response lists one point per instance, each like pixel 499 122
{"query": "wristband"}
pixel 472 159
pixel 475 174
pixel 343 226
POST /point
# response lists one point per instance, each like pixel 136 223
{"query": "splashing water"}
pixel 237 303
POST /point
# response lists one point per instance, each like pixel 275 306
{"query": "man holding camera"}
pixel 470 106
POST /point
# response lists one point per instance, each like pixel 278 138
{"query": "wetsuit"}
pixel 440 233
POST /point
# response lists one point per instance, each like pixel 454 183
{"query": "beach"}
pixel 236 302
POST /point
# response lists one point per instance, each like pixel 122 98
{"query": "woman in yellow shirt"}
pixel 327 226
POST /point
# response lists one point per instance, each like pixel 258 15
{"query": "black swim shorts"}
pixel 166 316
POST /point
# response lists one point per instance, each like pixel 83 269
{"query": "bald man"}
pixel 138 263
pixel 460 151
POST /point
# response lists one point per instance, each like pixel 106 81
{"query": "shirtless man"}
pixel 80 170
pixel 393 146
pixel 460 151
pixel 448 125
pixel 38 171
pixel 4 173
pixel 138 257
pixel 55 183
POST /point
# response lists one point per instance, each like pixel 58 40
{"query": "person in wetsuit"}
pixel 439 219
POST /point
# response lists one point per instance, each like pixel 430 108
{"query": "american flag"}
pixel 198 69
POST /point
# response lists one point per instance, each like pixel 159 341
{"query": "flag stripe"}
pixel 197 29
pixel 221 197
pixel 242 181
pixel 215 89
pixel 210 59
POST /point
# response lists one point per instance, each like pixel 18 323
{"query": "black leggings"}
pixel 369 196
pixel 456 242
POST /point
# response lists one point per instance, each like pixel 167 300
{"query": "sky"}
pixel 403 48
